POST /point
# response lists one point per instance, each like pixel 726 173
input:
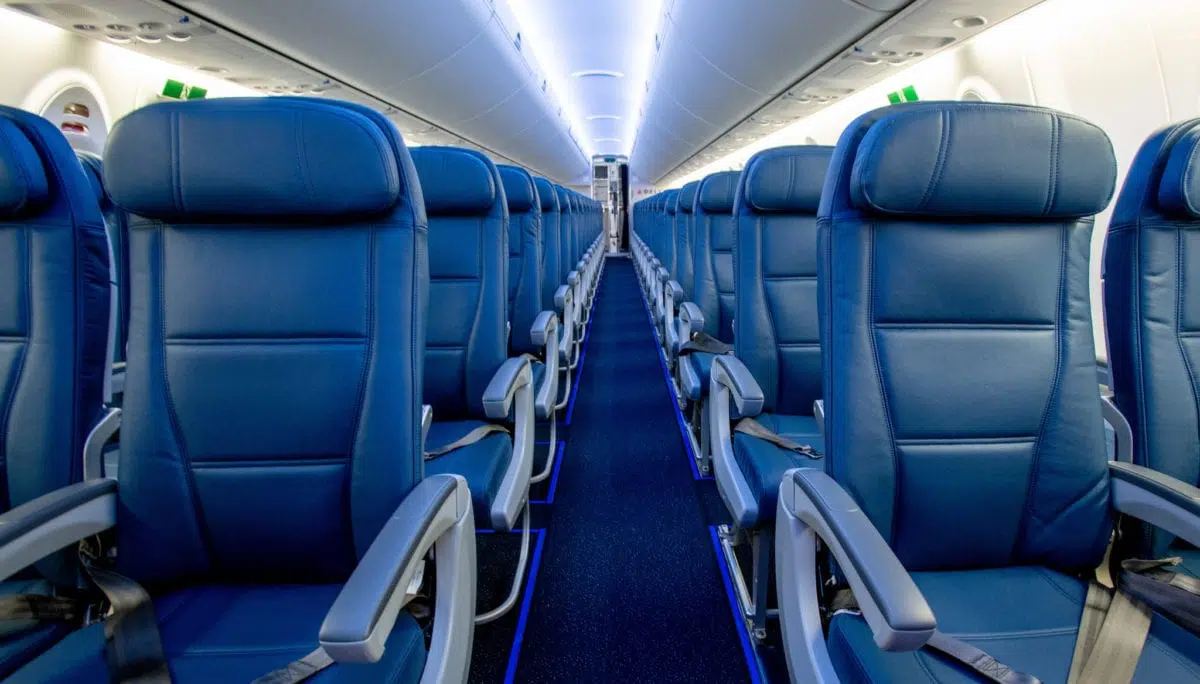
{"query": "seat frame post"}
pixel 550 455
pixel 753 600
pixel 514 591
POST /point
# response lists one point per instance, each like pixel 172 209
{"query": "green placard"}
pixel 910 94
pixel 196 92
pixel 895 98
pixel 173 89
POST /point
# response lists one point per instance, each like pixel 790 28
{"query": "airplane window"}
pixel 973 96
pixel 75 127
pixel 77 109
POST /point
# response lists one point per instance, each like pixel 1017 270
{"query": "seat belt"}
pixel 703 342
pixel 1172 594
pixel 466 440
pixel 955 649
pixel 749 426
pixel 1112 634
pixel 133 646
pixel 298 670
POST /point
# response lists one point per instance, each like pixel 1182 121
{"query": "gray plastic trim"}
pixel 1155 498
pixel 514 382
pixel 731 482
pixel 1120 426
pixel 54 521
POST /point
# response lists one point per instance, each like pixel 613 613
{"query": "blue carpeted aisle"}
pixel 629 589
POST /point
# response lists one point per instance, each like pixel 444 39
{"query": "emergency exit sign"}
pixel 178 90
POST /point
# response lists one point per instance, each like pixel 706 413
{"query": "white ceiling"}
pixel 698 79
pixel 600 54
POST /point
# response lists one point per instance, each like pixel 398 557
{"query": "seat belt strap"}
pixel 1172 594
pixel 703 342
pixel 979 661
pixel 132 642
pixel 749 426
pixel 298 670
pixel 1095 607
pixel 954 649
pixel 1111 655
pixel 466 440
pixel 40 607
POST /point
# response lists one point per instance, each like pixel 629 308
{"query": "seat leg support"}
pixel 515 590
pixel 550 455
pixel 752 600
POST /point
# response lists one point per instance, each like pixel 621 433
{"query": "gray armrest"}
pixel 690 319
pixel 663 275
pixel 545 335
pixel 891 603
pixel 674 290
pixel 819 415
pixel 512 375
pixel 1124 432
pixel 358 624
pixel 55 520
pixel 564 299
pixel 573 278
pixel 511 390
pixel 1161 500
pixel 729 372
pixel 545 324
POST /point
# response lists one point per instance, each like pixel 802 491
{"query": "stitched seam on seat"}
pixel 939 166
pixel 464 391
pixel 1158 646
pixel 897 493
pixel 361 393
pixel 1052 182
pixel 395 675
pixel 772 402
pixel 19 369
pixel 1014 634
pixel 185 460
pixel 1135 280
pixel 1050 580
pixel 1179 246
pixel 1031 485
pixel 921 657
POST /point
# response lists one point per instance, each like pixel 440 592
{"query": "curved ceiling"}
pixel 674 84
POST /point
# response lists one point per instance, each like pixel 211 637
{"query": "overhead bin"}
pixel 417 55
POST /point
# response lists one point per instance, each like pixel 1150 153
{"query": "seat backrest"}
pixel 566 224
pixel 775 271
pixel 272 398
pixel 961 403
pixel 1152 303
pixel 524 255
pixel 666 237
pixel 551 252
pixel 684 234
pixel 117 224
pixel 54 314
pixel 468 259
pixel 712 253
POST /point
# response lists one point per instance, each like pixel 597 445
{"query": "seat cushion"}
pixel 1189 554
pixel 482 463
pixel 22 641
pixel 1025 617
pixel 227 633
pixel 763 463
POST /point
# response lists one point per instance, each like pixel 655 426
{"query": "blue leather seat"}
pixel 466 348
pixel 775 309
pixel 54 325
pixel 712 303
pixel 964 435
pixel 533 328
pixel 777 355
pixel 567 273
pixel 679 287
pixel 271 495
pixel 117 224
pixel 1148 286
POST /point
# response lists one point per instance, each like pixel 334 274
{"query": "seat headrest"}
pixel 687 197
pixel 546 194
pixel 231 158
pixel 959 159
pixel 24 186
pixel 519 190
pixel 455 181
pixel 716 192
pixel 787 179
pixel 1179 187
pixel 564 198
pixel 94 170
pixel 670 201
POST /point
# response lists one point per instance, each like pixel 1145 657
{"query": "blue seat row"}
pixel 310 351
pixel 910 331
